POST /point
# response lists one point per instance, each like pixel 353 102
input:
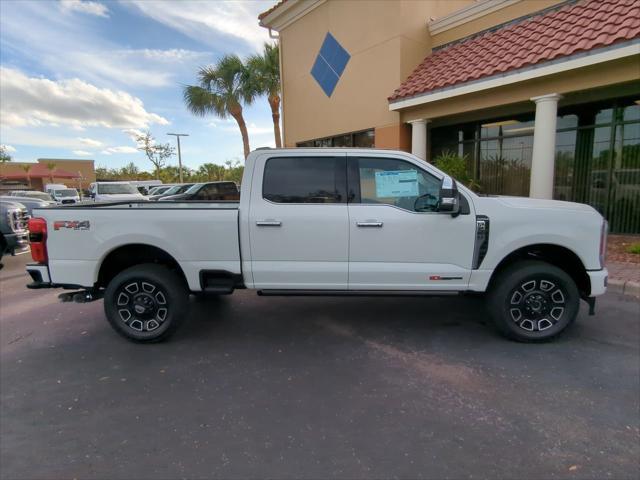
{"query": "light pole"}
pixel 178 135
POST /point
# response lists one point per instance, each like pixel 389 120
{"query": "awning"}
pixel 39 171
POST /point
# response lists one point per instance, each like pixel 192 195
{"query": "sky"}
pixel 79 78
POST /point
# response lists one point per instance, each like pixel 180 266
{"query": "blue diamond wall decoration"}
pixel 330 63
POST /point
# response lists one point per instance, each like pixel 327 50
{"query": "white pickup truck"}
pixel 327 222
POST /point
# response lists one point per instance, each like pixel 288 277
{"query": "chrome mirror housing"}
pixel 449 201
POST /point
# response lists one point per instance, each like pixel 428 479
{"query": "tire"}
pixel 533 301
pixel 146 303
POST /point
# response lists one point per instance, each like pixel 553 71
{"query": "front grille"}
pixel 68 201
pixel 18 220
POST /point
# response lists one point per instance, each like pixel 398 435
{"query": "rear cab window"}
pixel 305 180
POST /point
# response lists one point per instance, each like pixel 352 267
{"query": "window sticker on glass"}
pixel 397 183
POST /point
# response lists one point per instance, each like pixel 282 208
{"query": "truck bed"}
pixel 200 236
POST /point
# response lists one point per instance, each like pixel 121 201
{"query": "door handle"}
pixel 369 224
pixel 268 223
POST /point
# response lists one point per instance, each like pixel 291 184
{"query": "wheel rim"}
pixel 142 305
pixel 537 304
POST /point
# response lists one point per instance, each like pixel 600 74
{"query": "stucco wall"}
pixel 498 17
pixel 386 40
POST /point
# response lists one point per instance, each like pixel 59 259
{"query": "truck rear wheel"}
pixel 533 301
pixel 146 303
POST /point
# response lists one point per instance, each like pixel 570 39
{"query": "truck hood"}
pixel 525 202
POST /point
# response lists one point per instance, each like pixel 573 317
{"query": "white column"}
pixel 544 146
pixel 419 138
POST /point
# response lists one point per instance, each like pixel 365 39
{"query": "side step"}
pixel 357 293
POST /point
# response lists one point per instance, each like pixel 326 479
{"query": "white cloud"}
pixel 122 149
pixel 40 101
pixel 230 125
pixel 85 6
pixel 82 153
pixel 134 133
pixel 8 148
pixel 90 142
pixel 205 21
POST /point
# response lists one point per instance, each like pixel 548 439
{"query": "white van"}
pixel 65 196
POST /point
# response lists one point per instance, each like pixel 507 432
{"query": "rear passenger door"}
pixel 298 222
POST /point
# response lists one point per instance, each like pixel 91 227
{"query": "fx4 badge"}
pixel 72 224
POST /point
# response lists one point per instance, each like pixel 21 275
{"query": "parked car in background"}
pixel 65 196
pixel 49 187
pixel 29 202
pixel 174 190
pixel 31 194
pixel 210 191
pixel 14 236
pixel 159 190
pixel 144 186
pixel 114 192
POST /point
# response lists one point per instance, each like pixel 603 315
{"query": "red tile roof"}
pixel 572 29
pixel 272 9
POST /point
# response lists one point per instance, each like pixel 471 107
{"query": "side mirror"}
pixel 449 197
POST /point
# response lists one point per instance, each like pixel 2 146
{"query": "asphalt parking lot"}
pixel 256 387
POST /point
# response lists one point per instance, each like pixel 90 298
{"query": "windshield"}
pixel 158 190
pixel 38 195
pixel 67 192
pixel 117 189
pixel 194 188
pixel 177 189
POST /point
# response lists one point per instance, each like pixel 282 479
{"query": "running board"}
pixel 356 293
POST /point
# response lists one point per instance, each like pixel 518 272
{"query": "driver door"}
pixel 397 238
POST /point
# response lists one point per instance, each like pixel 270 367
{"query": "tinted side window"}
pixel 305 180
pixel 208 192
pixel 398 183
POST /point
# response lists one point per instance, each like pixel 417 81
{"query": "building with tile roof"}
pixel 540 97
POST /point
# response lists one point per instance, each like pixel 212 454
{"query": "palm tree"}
pixel 51 166
pixel 27 169
pixel 211 171
pixel 264 79
pixel 222 91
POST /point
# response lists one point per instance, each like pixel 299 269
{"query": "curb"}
pixel 624 287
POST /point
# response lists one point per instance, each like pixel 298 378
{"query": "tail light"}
pixel 603 242
pixel 38 239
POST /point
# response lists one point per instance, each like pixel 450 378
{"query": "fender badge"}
pixel 72 224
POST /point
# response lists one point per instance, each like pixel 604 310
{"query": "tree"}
pixel 157 153
pixel 4 156
pixel 211 172
pixel 223 89
pixel 264 79
pixel 130 171
pixel 51 166
pixel 27 169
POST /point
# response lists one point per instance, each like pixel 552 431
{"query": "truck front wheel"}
pixel 146 303
pixel 533 301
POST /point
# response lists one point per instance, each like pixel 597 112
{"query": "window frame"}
pixel 353 184
pixel 353 180
pixel 341 180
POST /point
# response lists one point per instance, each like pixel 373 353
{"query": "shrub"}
pixel 634 248
pixel 455 166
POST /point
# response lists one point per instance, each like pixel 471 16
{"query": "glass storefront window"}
pixel 364 139
pixel 597 157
